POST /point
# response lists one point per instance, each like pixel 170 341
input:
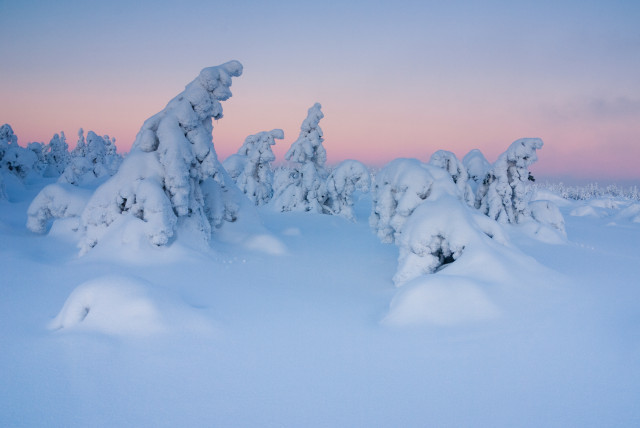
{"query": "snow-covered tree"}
pixel 301 185
pixel 250 168
pixel 449 162
pixel 56 155
pixel 38 149
pixel 93 158
pixel 505 192
pixel 477 166
pixel 343 181
pixel 15 159
pixel 172 175
pixel 400 187
pixel 438 232
pixel 58 200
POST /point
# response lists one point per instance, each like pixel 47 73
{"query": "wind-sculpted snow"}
pixel 250 168
pixel 300 186
pixel 172 175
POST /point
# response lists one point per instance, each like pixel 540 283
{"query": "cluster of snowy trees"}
pixel 433 214
pixel 304 183
pixel 92 158
pixel 172 180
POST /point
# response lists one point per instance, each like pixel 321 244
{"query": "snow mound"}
pixel 630 213
pixel 440 300
pixel 124 306
pixel 265 243
pixel 586 211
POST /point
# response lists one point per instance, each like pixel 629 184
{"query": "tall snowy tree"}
pixel 172 175
pixel 505 192
pixel 250 168
pixel 301 185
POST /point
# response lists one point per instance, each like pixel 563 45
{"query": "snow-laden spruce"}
pixel 300 186
pixel 57 155
pixel 346 178
pixel 15 159
pixel 399 188
pixel 250 168
pixel 172 175
pixel 93 158
pixel 505 192
pixel 449 162
pixel 477 167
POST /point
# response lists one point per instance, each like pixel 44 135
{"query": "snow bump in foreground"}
pixel 125 306
pixel 440 300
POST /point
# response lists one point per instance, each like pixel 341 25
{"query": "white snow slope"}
pixel 289 330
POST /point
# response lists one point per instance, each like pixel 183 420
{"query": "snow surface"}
pixel 292 319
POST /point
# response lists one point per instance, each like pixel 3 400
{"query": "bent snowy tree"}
pixel 172 174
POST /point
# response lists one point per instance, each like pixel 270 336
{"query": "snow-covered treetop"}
pixel 181 133
pixel 477 165
pixel 308 146
pixel 399 188
pixel 14 158
pixel 505 192
pixel 250 168
pixel 7 136
pixel 172 172
pixel 449 162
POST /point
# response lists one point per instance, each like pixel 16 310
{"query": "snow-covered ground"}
pixel 299 324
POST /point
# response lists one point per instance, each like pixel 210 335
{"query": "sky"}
pixel 395 79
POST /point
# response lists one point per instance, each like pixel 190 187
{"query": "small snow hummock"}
pixel 300 186
pixel 172 174
pixel 125 306
pixel 250 168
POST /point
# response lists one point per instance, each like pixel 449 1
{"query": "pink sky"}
pixel 399 81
